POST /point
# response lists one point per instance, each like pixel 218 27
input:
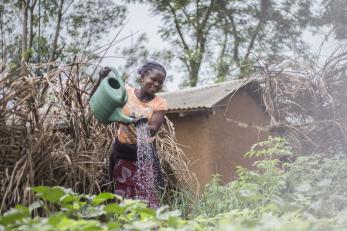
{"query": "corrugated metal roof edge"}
pixel 187 109
pixel 190 89
pixel 199 108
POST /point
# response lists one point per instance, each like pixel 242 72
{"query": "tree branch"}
pixel 234 31
pixel 221 72
pixel 68 6
pixel 188 18
pixel 208 13
pixel 265 5
pixel 25 26
pixel 178 28
pixel 31 21
pixel 202 33
pixel 57 31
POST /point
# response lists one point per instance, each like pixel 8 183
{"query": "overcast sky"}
pixel 141 20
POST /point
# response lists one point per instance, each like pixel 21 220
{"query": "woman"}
pixel 142 103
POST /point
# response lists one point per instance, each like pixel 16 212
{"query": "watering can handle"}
pixel 105 71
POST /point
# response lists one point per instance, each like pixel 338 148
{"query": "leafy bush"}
pixel 307 194
pixel 73 211
pixel 316 185
pixel 254 189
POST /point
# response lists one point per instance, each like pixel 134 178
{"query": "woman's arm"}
pixel 157 120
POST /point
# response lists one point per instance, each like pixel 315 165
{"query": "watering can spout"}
pixel 118 116
pixel 109 98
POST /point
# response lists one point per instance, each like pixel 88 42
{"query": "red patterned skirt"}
pixel 130 187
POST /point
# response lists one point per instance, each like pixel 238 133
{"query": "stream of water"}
pixel 148 175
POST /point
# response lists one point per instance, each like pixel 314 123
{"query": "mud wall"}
pixel 237 124
pixel 215 141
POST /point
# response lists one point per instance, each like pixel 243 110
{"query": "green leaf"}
pixel 36 205
pixel 53 194
pixel 164 214
pixel 81 224
pixel 102 197
pixel 40 189
pixel 147 212
pixel 13 215
pixel 55 219
pixel 114 225
pixel 141 225
pixel 92 211
pixel 114 209
pixel 68 199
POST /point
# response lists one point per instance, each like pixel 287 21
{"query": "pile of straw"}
pixel 49 137
pixel 307 104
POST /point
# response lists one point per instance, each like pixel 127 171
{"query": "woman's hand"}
pixel 140 120
pixel 104 72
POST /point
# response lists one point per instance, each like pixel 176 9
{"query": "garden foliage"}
pixel 284 192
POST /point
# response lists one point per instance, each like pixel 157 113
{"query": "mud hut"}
pixel 217 124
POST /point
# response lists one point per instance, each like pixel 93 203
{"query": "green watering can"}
pixel 109 98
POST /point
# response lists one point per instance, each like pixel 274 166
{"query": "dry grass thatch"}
pixel 49 137
pixel 307 104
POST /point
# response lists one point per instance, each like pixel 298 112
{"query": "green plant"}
pixel 310 190
pixel 317 185
pixel 66 210
pixel 180 199
pixel 254 189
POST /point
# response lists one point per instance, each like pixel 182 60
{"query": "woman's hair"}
pixel 150 66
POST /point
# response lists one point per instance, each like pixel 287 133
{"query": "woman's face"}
pixel 152 81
